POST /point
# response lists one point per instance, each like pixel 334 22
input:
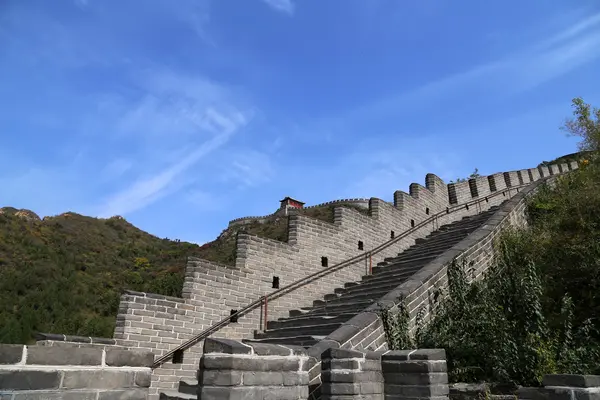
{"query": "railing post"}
pixel 370 263
pixel 265 305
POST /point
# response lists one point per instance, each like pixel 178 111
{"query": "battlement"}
pixel 212 292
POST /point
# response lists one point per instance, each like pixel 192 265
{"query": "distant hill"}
pixel 65 274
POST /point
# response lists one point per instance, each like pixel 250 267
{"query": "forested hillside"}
pixel 65 274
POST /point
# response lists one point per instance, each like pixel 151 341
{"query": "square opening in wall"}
pixel 275 282
pixel 467 206
pixel 324 261
pixel 427 211
pixel 361 245
pixel 233 317
pixel 392 234
pixel 447 210
pixel 178 357
pixel 412 223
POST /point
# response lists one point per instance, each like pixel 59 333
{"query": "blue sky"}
pixel 183 114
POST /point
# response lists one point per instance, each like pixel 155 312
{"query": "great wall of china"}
pixel 159 341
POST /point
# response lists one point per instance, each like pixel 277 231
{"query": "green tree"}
pixel 585 124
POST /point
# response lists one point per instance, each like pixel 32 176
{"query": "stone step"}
pixel 303 340
pixel 309 320
pixel 175 395
pixel 308 325
pixel 336 309
pixel 433 245
pixel 391 268
pixel 396 275
pixel 449 232
pixel 310 330
pixel 188 386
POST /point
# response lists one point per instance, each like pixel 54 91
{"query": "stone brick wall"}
pixel 365 331
pixel 351 374
pixel 84 371
pixel 212 291
pixel 415 374
pixel 234 370
pixel 560 387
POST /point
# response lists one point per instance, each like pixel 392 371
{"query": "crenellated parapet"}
pixel 212 292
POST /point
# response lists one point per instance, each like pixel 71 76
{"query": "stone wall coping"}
pixel 571 380
pixel 213 346
pixel 39 336
pixel 14 356
pixel 416 355
pixel 370 315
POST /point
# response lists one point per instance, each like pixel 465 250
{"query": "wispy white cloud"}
pixel 249 168
pixel 284 6
pixel 206 200
pixel 116 168
pixel 533 65
pixel 149 189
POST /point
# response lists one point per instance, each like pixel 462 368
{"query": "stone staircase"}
pixel 307 326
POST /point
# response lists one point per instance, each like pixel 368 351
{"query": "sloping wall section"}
pixel 211 291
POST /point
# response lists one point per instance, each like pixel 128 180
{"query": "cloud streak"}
pixel 532 66
pixel 147 190
pixel 284 6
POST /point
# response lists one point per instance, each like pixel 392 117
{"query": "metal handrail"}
pixel 277 293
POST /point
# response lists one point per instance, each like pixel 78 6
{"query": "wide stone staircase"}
pixel 307 326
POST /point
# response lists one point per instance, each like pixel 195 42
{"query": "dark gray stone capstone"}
pixel 227 346
pixel 42 355
pixel 29 380
pixel 581 381
pixel 128 358
pixel 11 353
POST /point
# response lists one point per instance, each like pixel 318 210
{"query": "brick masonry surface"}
pixel 563 387
pixel 230 369
pixel 365 331
pixel 410 374
pixel 351 374
pixel 76 373
pixel 160 324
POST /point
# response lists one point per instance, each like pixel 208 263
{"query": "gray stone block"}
pixel 417 390
pixel 271 378
pixel 41 355
pixel 345 389
pixel 412 366
pixel 56 395
pixel 339 364
pixel 350 377
pixel 249 364
pixel 583 381
pixel 103 379
pixel 316 350
pixel 227 346
pixel 29 380
pixel 219 378
pixel 331 354
pixel 267 349
pixel 123 358
pixel 143 378
pixel 130 394
pixel 11 353
pixel 416 378
pixel 295 378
